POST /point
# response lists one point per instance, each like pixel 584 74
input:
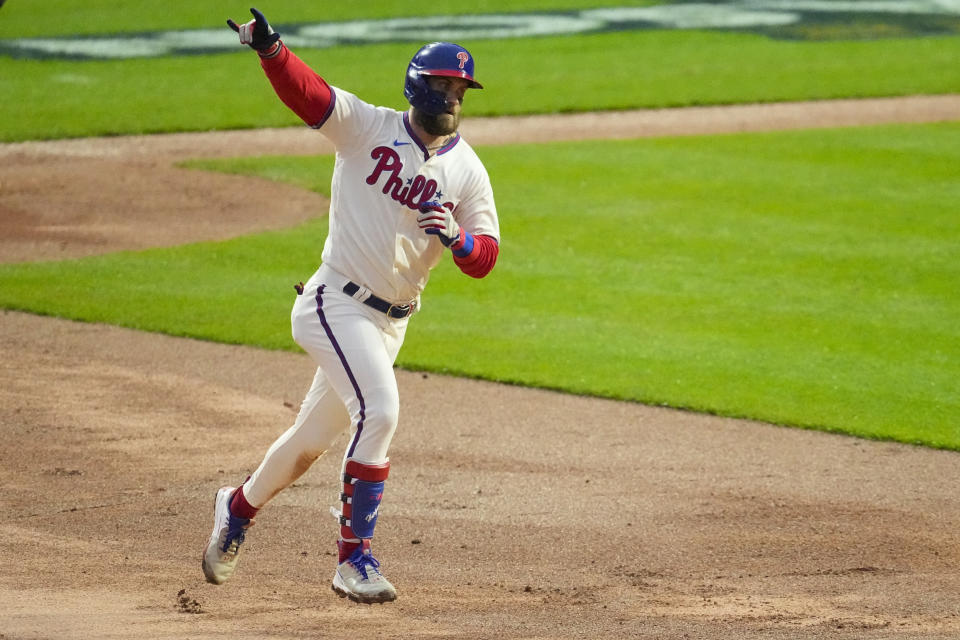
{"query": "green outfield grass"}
pixel 23 18
pixel 620 70
pixel 803 278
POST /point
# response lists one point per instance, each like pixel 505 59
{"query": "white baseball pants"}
pixel 354 388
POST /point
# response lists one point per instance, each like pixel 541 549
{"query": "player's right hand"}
pixel 258 34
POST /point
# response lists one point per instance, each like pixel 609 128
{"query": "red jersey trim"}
pixel 413 136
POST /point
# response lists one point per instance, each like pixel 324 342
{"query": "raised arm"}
pixel 298 86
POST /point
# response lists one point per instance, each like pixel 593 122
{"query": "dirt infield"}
pixel 530 514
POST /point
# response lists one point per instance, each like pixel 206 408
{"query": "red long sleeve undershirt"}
pixel 299 87
pixel 481 258
pixel 311 98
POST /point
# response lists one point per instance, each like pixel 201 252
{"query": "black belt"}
pixel 381 305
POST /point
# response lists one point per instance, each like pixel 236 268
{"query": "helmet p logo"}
pixel 462 57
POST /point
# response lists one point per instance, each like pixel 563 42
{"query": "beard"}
pixel 439 125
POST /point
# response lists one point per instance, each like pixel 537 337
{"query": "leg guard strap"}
pixel 362 492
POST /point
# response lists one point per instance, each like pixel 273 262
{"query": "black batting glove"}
pixel 257 34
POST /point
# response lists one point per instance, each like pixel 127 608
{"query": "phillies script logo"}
pixel 414 193
pixel 462 57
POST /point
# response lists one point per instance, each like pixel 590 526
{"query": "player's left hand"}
pixel 437 220
pixel 257 33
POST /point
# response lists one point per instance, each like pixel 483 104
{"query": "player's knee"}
pixel 306 459
pixel 381 418
pixel 382 422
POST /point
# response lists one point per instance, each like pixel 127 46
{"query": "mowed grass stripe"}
pixel 610 71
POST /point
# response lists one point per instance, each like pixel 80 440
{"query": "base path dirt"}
pixel 527 514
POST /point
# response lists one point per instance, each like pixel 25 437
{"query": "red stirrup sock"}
pixel 239 507
pixel 346 549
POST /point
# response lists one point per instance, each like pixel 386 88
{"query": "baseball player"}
pixel 406 189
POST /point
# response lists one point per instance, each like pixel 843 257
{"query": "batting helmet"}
pixel 436 59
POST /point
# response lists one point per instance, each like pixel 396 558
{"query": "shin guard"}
pixel 360 500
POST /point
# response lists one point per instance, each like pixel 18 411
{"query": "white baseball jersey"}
pixel 381 176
